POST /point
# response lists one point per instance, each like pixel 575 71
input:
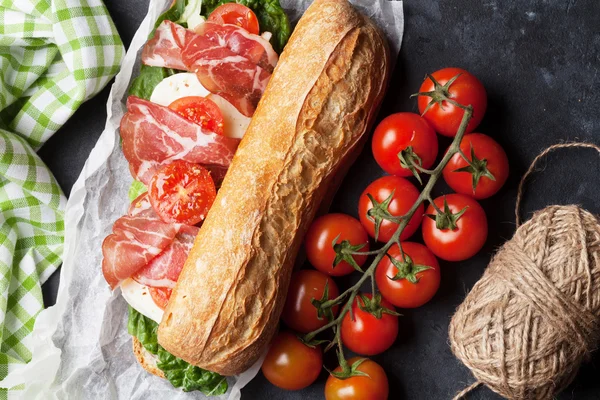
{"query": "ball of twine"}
pixel 534 316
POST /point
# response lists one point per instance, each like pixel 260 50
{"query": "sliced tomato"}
pixel 201 111
pixel 160 296
pixel 236 14
pixel 182 192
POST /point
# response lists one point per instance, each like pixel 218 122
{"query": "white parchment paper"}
pixel 81 348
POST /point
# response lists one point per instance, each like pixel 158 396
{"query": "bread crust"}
pixel 308 127
pixel 145 358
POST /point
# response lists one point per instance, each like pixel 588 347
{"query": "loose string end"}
pixel 460 395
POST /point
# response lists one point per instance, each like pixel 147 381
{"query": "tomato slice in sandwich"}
pixel 160 296
pixel 236 14
pixel 182 192
pixel 201 111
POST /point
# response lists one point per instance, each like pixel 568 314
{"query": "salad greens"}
pixel 181 374
pixel 136 189
pixel 149 77
pixel 270 14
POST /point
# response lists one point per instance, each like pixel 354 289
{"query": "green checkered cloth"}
pixel 54 55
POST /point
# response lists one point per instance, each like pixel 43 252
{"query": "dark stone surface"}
pixel 539 61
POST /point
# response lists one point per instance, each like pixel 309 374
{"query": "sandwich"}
pixel 234 146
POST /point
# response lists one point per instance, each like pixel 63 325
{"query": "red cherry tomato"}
pixel 290 364
pixel 395 134
pixel 182 192
pixel 367 334
pixel 404 196
pixel 489 156
pixel 201 111
pixel 320 236
pixel 372 387
pixel 298 312
pixel 235 14
pixel 160 296
pixel 465 90
pixel 466 239
pixel 402 292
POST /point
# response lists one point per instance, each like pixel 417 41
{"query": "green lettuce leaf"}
pixel 181 374
pixel 149 77
pixel 189 377
pixel 144 329
pixel 136 189
pixel 172 14
pixel 270 14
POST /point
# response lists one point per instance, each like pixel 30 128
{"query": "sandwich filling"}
pixel 201 79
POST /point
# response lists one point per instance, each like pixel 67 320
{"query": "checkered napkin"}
pixel 54 55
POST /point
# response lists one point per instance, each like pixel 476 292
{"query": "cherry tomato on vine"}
pixel 463 229
pixel 182 192
pixel 290 364
pixel 373 329
pixel 417 275
pixel 394 196
pixel 466 90
pixel 235 14
pixel 487 172
pixel 350 235
pixel 201 111
pixel 298 312
pixel 402 139
pixel 372 387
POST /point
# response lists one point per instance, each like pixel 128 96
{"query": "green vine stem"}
pixel 350 294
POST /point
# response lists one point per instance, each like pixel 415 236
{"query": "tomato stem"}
pixel 354 290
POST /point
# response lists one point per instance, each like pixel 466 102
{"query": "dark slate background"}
pixel 539 61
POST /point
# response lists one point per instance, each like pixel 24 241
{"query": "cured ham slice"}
pixel 163 271
pixel 154 135
pixel 137 238
pixel 164 49
pixel 227 59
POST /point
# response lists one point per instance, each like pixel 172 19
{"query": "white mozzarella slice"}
pixel 235 123
pixel 177 86
pixel 267 35
pixel 138 296
pixel 195 20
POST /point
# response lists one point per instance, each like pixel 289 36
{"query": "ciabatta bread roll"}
pixel 311 122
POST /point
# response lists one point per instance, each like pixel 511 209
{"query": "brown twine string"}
pixel 543 154
pixel 526 326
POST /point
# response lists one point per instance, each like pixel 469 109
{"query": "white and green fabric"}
pixel 54 55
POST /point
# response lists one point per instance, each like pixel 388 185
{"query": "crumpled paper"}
pixel 81 348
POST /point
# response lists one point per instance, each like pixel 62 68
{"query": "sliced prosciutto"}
pixel 154 135
pixel 137 238
pixel 163 271
pixel 227 59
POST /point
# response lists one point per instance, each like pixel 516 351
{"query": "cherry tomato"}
pixel 235 14
pixel 395 134
pixel 372 387
pixel 160 296
pixel 416 285
pixel 298 312
pixel 201 111
pixel 320 236
pixel 490 158
pixel 466 239
pixel 367 334
pixel 290 364
pixel 182 192
pixel 403 196
pixel 465 90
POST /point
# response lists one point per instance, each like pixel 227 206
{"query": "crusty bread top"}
pixel 145 358
pixel 315 111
